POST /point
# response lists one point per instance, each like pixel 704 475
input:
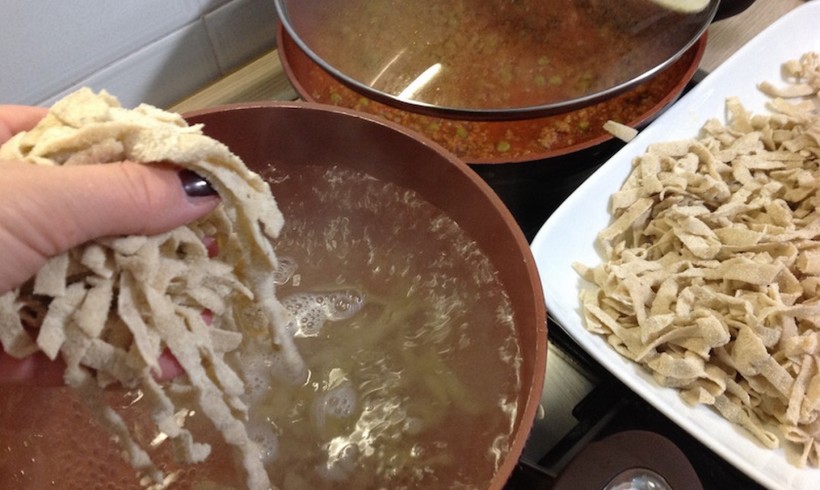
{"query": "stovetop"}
pixel 611 408
pixel 532 192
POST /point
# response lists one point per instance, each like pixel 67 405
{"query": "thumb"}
pixel 45 211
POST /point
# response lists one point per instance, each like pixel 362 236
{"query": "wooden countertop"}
pixel 265 78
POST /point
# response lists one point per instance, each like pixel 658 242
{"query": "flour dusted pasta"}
pixel 711 274
pixel 110 307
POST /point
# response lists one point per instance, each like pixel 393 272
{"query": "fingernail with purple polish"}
pixel 194 185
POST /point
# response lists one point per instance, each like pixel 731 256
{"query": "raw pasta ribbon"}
pixel 110 308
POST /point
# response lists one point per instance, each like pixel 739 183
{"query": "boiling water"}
pixel 408 359
pixel 407 336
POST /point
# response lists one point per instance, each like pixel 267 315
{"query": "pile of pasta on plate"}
pixel 711 271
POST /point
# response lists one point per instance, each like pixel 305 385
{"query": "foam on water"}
pixel 310 311
pixel 339 402
pixel 263 435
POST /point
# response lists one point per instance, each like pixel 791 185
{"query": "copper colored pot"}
pixel 48 434
pixel 503 140
pixel 294 134
pixel 493 59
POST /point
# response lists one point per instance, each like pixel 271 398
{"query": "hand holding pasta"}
pixel 45 210
pixel 115 294
pixel 711 272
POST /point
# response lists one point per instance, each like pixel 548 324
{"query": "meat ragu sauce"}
pixel 494 54
pixel 406 331
pixel 490 141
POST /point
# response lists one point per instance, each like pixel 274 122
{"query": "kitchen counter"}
pixel 568 380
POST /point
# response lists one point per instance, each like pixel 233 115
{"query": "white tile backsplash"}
pixel 158 73
pixel 155 51
pixel 239 28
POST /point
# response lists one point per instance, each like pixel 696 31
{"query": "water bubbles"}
pixel 263 365
pixel 310 311
pixel 339 403
pixel 344 304
pixel 263 435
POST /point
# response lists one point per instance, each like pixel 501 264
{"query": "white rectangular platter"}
pixel 569 235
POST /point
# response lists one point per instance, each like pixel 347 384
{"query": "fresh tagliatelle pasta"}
pixel 711 271
pixel 110 307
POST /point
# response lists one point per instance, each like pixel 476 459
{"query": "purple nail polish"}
pixel 194 185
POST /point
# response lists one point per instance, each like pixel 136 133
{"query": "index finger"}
pixel 16 118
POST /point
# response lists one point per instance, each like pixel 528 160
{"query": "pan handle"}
pixel 730 8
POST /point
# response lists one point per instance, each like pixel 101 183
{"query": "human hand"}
pixel 45 211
